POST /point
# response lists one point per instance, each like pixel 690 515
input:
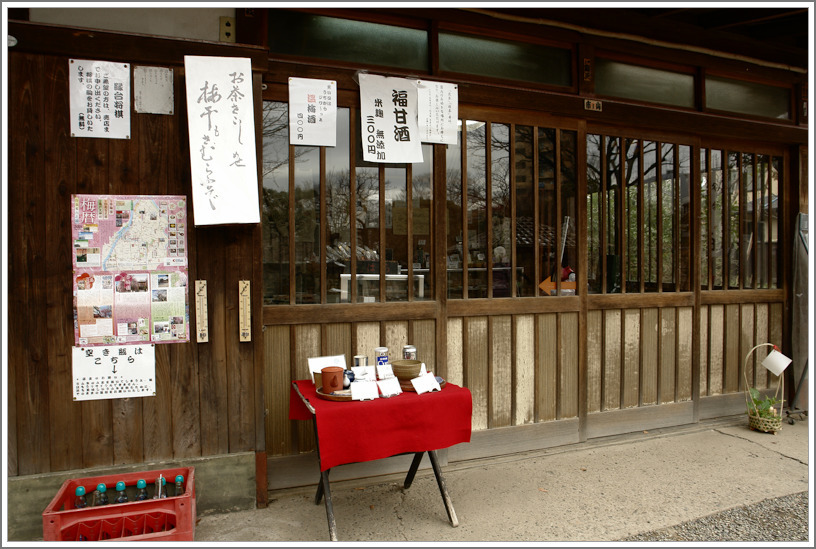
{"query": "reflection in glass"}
pixel 453 213
pixel 684 214
pixel 422 207
pixel 569 229
pixel 651 211
pixel 613 201
pixel 307 225
pixel 396 232
pixel 773 228
pixel 275 202
pixel 669 205
pixel 716 227
pixel 502 245
pixel 632 175
pixel 733 229
pixel 763 220
pixel 367 186
pixel 748 204
pixel 705 219
pixel 476 254
pixel 594 213
pixel 338 224
pixel 525 212
pixel 547 209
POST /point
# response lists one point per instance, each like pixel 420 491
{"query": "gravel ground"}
pixel 776 519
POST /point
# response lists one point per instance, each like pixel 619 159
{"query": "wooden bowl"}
pixel 406 369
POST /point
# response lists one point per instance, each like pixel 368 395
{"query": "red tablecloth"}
pixel 355 431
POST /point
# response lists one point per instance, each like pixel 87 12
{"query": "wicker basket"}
pixel 765 424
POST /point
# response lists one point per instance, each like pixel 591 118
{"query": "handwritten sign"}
pixel 221 123
pixel 312 112
pixel 100 99
pixel 388 119
pixel 438 111
pixel 153 90
pixel 115 371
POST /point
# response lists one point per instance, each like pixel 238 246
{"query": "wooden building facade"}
pixel 609 237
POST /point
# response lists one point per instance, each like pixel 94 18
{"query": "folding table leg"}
pixel 324 483
pixel 443 489
pixel 409 479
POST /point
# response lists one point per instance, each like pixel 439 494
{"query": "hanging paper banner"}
pixel 100 99
pixel 114 372
pixel 312 112
pixel 438 111
pixel 221 124
pixel 388 119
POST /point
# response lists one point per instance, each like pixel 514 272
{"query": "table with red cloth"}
pixel 401 424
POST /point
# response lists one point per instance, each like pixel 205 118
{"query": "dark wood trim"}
pixel 512 306
pixel 640 301
pixel 261 492
pixel 349 312
pixel 726 297
pixel 118 46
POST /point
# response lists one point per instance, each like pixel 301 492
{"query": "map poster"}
pixel 116 371
pixel 130 269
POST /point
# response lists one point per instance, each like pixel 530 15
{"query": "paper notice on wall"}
pixel 114 371
pixel 153 90
pixel 100 99
pixel 221 124
pixel 388 119
pixel 312 112
pixel 438 111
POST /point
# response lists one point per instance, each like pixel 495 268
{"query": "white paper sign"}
pixel 438 111
pixel 153 90
pixel 312 112
pixel 221 124
pixel 426 382
pixel 389 387
pixel 384 371
pixel 388 119
pixel 317 363
pixel 114 371
pixel 364 390
pixel 364 373
pixel 100 99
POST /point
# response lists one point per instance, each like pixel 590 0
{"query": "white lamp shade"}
pixel 776 362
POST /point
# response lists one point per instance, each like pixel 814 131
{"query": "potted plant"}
pixel 762 416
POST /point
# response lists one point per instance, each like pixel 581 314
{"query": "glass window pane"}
pixel 275 202
pixel 718 240
pixel 594 275
pixel 569 211
pixel 422 201
pixel 651 211
pixel 547 209
pixel 613 219
pixel 776 186
pixel 669 206
pixel 616 79
pixel 500 206
pixel 732 233
pixel 367 186
pixel 684 213
pixel 748 225
pixel 632 175
pixel 338 208
pixel 525 211
pixel 360 42
pixel 476 254
pixel 504 59
pixel 453 213
pixel 763 215
pixel 396 234
pixel 307 225
pixel 705 219
pixel 725 94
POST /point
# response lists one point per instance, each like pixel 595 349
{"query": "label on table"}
pixel 364 390
pixel 389 387
pixel 384 371
pixel 425 383
pixel 364 373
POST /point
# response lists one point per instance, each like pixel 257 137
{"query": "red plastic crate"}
pixel 168 519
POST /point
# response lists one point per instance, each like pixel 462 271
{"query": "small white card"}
pixel 425 383
pixel 384 371
pixel 364 373
pixel 389 387
pixel 422 369
pixel 364 390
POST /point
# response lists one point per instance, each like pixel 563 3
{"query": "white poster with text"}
pixel 388 119
pixel 312 112
pixel 438 112
pixel 100 99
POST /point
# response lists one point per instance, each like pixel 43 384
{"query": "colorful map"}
pixel 130 269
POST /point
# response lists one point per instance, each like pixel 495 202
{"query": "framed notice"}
pixel 221 123
pixel 119 371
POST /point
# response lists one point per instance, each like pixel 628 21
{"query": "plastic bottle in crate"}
pixel 121 496
pixel 100 495
pixel 160 489
pixel 80 501
pixel 179 485
pixel 141 493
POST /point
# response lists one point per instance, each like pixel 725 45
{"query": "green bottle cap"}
pixel 179 478
pixel 120 486
pixel 164 481
pixel 141 483
pixel 80 491
pixel 102 487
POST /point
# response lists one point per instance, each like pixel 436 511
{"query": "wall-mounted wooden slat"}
pixel 547 378
pixel 568 386
pixel 395 336
pixel 630 384
pixel 277 384
pixel 337 341
pixel 668 355
pixel 732 349
pixel 594 360
pixel 716 372
pixel 762 336
pixel 454 357
pixel 704 350
pixel 524 370
pixel 649 329
pixel 476 369
pixel 684 353
pixel 612 360
pixel 306 341
pixel 747 332
pixel 775 321
pixel 367 335
pixel 65 418
pixel 500 365
pixel 424 339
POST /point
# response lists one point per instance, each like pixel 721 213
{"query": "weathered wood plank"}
pixel 396 336
pixel 747 332
pixel 368 339
pixel 775 313
pixel 547 377
pixel 612 360
pixel 716 365
pixel 732 349
pixel 649 349
pixel 277 384
pixel 424 340
pixel 631 359
pixel 524 370
pixel 569 365
pixel 306 342
pixel 704 350
pixel 65 419
pixel 594 360
pixel 455 360
pixel 668 355
pixel 338 341
pixel 500 365
pixel 615 422
pixel 684 352
pixel 476 369
pixel 762 335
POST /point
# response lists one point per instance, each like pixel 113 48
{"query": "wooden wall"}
pixel 207 399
